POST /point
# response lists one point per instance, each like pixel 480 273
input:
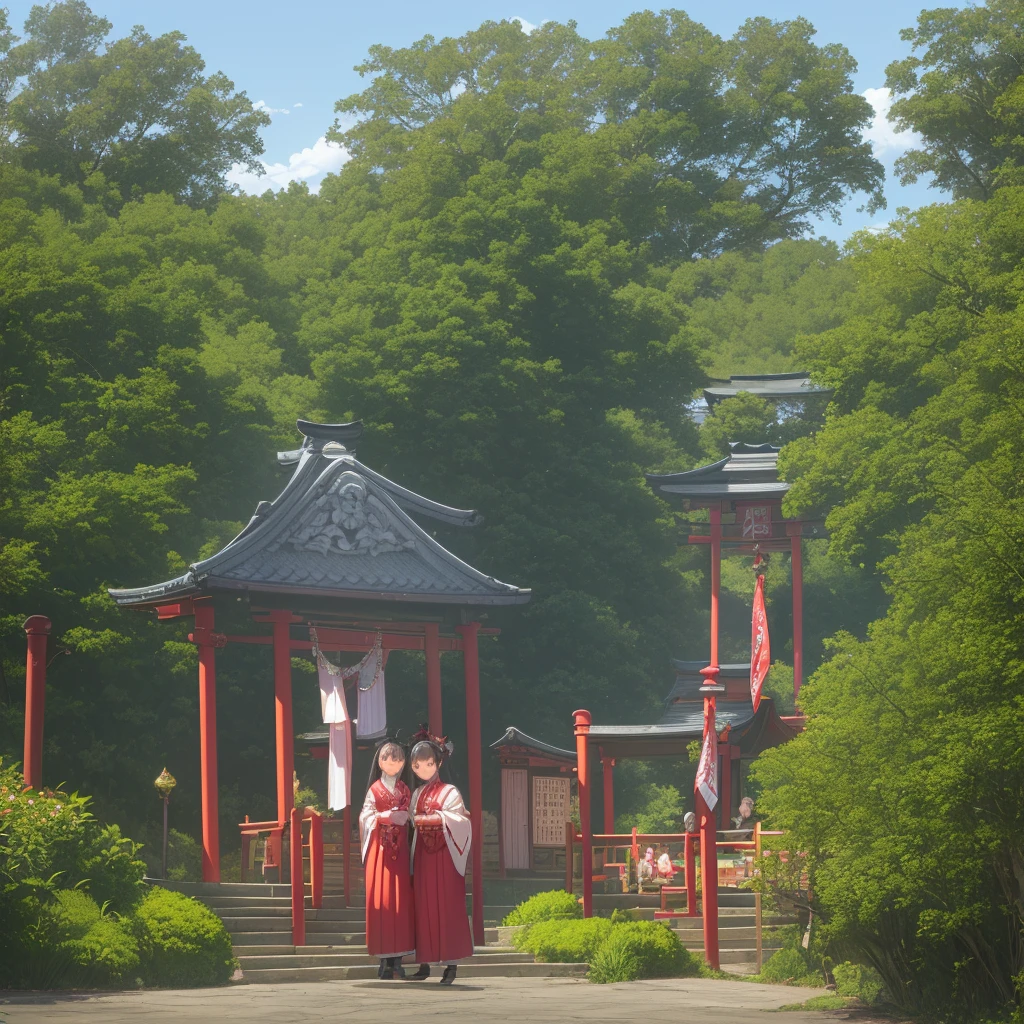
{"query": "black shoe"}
pixel 449 974
pixel 387 974
pixel 422 974
pixel 396 963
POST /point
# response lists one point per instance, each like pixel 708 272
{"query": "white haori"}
pixel 458 829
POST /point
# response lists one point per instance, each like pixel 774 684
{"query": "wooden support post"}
pixel 37 629
pixel 798 613
pixel 608 767
pixel 283 713
pixel 757 931
pixel 346 854
pixel 474 750
pixel 316 860
pixel 433 658
pixel 298 886
pixel 690 876
pixel 570 833
pixel 582 720
pixel 208 739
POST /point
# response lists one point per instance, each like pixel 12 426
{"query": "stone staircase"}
pixel 258 916
pixel 737 934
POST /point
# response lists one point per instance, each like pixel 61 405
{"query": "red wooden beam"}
pixel 354 640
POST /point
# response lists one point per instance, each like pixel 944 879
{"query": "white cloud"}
pixel 296 104
pixel 262 105
pixel 887 142
pixel 309 165
pixel 526 26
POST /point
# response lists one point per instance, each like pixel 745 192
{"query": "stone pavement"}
pixel 524 1000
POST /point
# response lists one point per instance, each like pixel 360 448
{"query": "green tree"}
pixel 139 111
pixel 964 96
pixel 905 788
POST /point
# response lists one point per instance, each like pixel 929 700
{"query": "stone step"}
pixel 227 902
pixel 314 938
pixel 696 924
pixel 258 924
pixel 236 912
pixel 350 914
pixel 333 959
pixel 737 956
pixel 467 972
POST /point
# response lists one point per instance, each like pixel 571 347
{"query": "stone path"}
pixel 524 1000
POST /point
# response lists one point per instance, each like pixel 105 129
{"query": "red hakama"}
pixel 439 876
pixel 389 898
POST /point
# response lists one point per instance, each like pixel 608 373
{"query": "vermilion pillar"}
pixel 471 667
pixel 37 629
pixel 283 713
pixel 707 815
pixel 433 656
pixel 608 767
pixel 297 882
pixel 798 610
pixel 204 639
pixel 582 720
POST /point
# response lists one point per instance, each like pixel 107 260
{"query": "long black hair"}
pixel 396 748
pixel 428 746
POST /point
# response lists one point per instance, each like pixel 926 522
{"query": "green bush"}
pixel 63 940
pixel 564 940
pixel 788 964
pixel 106 956
pixel 642 949
pixel 184 854
pixel 544 906
pixel 189 945
pixel 857 980
pixel 47 834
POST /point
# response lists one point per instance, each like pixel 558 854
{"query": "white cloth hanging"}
pixel 335 715
pixel 372 714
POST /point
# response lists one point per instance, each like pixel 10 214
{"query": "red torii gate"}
pixel 338 550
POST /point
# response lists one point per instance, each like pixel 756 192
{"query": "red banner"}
pixel 760 649
pixel 706 782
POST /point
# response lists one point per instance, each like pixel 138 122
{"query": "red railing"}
pixel 311 839
pixel 611 843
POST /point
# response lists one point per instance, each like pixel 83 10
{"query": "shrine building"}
pixel 340 551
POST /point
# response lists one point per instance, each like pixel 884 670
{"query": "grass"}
pixel 829 1002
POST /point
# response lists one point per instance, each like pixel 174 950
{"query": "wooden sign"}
pixel 757 522
pixel 550 810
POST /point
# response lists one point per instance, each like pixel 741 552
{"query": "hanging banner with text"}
pixel 706 782
pixel 760 649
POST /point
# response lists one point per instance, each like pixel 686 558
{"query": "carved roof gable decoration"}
pixel 347 519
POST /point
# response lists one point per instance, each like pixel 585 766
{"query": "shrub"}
pixel 189 945
pixel 642 949
pixel 857 980
pixel 564 940
pixel 63 940
pixel 106 956
pixel 47 834
pixel 184 854
pixel 788 964
pixel 544 906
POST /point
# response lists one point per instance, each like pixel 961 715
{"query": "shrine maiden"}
pixel 384 829
pixel 441 841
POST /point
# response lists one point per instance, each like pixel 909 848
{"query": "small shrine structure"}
pixel 536 796
pixel 339 549
pixel 743 495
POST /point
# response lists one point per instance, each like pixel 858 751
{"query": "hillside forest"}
pixel 540 250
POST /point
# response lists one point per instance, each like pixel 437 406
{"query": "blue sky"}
pixel 296 59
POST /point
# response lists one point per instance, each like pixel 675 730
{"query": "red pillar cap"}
pixel 37 624
pixel 582 719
